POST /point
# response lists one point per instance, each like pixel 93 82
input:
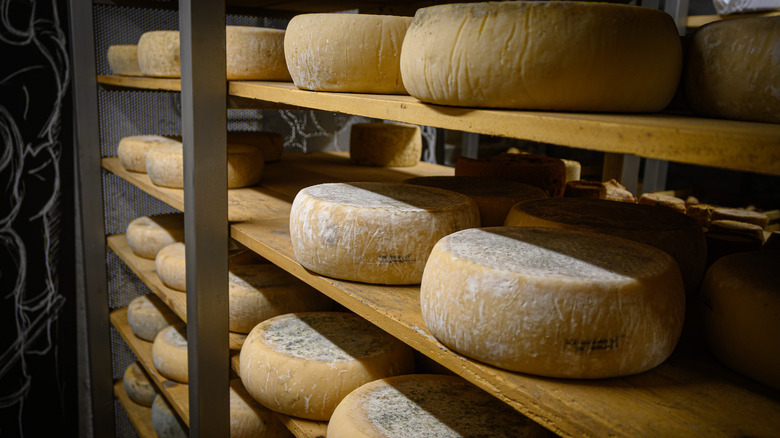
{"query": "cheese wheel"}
pixel 385 144
pixel 158 54
pixel 701 213
pixel 427 405
pixel 250 419
pixel 741 312
pixel 169 353
pixel 165 422
pixel 255 53
pixel 716 85
pixel 147 235
pixel 138 386
pixel 555 303
pixel 573 170
pixel 739 215
pixel 667 230
pixel 572 56
pixel 123 60
pixel 660 200
pixel 271 144
pixel 132 150
pixel 346 52
pixel 374 232
pixel 165 165
pixel 171 265
pixel 304 364
pixel 147 315
pixel 547 173
pixel 493 196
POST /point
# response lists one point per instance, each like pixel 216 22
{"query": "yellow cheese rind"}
pixel 249 419
pixel 123 60
pixel 132 150
pixel 159 55
pixel 385 144
pixel 171 264
pixel 138 386
pixel 147 315
pixel 165 422
pixel 147 235
pixel 255 53
pixel 165 165
pixel 169 353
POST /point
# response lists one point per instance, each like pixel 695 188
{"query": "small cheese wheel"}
pixel 741 313
pixel 250 419
pixel 374 232
pixel 356 53
pixel 427 405
pixel 132 150
pixel 255 53
pixel 739 215
pixel 169 353
pixel 123 60
pixel 753 231
pixel 171 264
pixel 660 200
pixel 271 144
pixel 667 230
pixel 147 315
pixel 138 386
pixel 165 165
pixel 158 54
pixel 385 144
pixel 304 364
pixel 165 422
pixel 555 303
pixel 701 213
pixel 573 56
pixel 547 173
pixel 494 197
pixel 147 235
pixel 717 86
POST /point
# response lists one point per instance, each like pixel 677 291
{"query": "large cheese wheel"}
pixel 573 56
pixel 165 422
pixel 255 53
pixel 147 315
pixel 169 353
pixel 663 228
pixel 547 173
pixel 132 150
pixel 171 265
pixel 165 165
pixel 249 419
pixel 741 313
pixel 346 52
pixel 159 55
pixel 123 60
pixel 138 386
pixel 374 232
pixel 385 144
pixel 555 303
pixel 427 405
pixel 304 364
pixel 731 70
pixel 147 235
pixel 271 144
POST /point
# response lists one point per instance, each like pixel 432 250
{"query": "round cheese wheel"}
pixel 255 53
pixel 547 173
pixel 741 312
pixel 493 196
pixel 165 165
pixel 660 200
pixel 171 265
pixel 132 150
pixel 271 144
pixel 169 353
pixel 158 54
pixel 304 364
pixel 346 52
pixel 667 230
pixel 716 85
pixel 739 215
pixel 249 419
pixel 165 422
pixel 426 405
pixel 123 60
pixel 374 232
pixel 573 56
pixel 555 303
pixel 147 235
pixel 147 315
pixel 138 386
pixel 385 144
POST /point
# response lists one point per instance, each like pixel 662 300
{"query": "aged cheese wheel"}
pixel 717 85
pixel 165 422
pixel 138 386
pixel 573 56
pixel 346 52
pixel 739 215
pixel 374 232
pixel 171 265
pixel 493 196
pixel 158 54
pixel 255 53
pixel 701 213
pixel 557 303
pixel 165 165
pixel 427 405
pixel 385 144
pixel 132 150
pixel 667 230
pixel 547 173
pixel 271 144
pixel 741 313
pixel 147 315
pixel 304 364
pixel 169 353
pixel 123 60
pixel 147 235
pixel 250 419
pixel 660 200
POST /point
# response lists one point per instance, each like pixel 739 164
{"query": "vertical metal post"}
pixel 655 175
pixel 204 108
pixel 469 145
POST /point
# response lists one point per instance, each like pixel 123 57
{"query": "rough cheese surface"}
pixel 385 144
pixel 171 265
pixel 147 315
pixel 123 60
pixel 555 303
pixel 249 419
pixel 132 150
pixel 304 364
pixel 165 165
pixel 137 385
pixel 374 232
pixel 573 56
pixel 165 422
pixel 169 353
pixel 147 235
pixel 159 55
pixel 255 53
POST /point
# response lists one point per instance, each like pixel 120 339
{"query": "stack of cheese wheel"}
pixel 555 303
pixel 385 144
pixel 304 364
pixel 147 235
pixel 374 232
pixel 159 54
pixel 147 316
pixel 667 230
pixel 426 405
pixel 132 150
pixel 123 60
pixel 250 419
pixel 255 53
pixel 547 173
pixel 165 165
pixel 346 52
pixel 572 56
pixel 169 353
pixel 137 385
pixel 165 422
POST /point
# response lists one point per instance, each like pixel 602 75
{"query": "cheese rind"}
pixel 169 353
pixel 165 165
pixel 165 422
pixel 158 54
pixel 255 53
pixel 385 144
pixel 249 419
pixel 123 60
pixel 147 315
pixel 147 235
pixel 132 150
pixel 137 385
pixel 171 264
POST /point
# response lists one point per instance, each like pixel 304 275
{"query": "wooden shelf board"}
pixel 696 21
pixel 140 82
pixel 140 416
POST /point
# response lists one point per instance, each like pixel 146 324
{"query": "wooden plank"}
pixel 140 82
pixel 696 21
pixel 140 416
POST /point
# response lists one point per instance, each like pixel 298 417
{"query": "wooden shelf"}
pixel 140 416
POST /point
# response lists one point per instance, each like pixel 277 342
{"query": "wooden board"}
pixel 140 416
pixel 140 82
pixel 696 21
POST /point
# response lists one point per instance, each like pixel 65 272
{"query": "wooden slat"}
pixel 140 82
pixel 696 21
pixel 140 416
